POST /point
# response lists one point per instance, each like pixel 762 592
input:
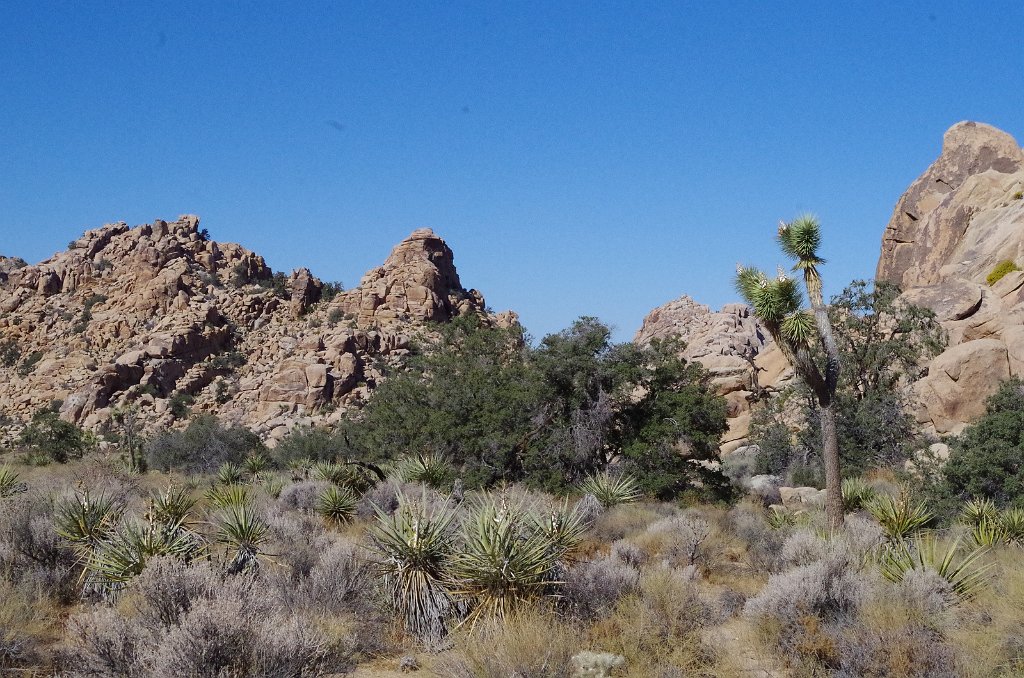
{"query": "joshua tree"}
pixel 777 302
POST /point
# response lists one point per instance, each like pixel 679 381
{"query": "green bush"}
pixel 985 460
pixel 9 353
pixel 50 435
pixel 999 272
pixel 202 447
pixel 28 365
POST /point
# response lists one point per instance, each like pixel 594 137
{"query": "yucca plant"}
pixel 337 504
pixel 415 548
pixel 779 518
pixel 977 511
pixel 965 574
pixel 256 464
pixel 124 554
pixel 504 562
pixel 1012 522
pixel 856 493
pixel 301 467
pixel 223 496
pixel 342 475
pixel 564 527
pixel 988 533
pixel 901 516
pixel 86 520
pixel 433 470
pixel 273 485
pixel 229 473
pixel 9 482
pixel 172 506
pixel 244 532
pixel 611 490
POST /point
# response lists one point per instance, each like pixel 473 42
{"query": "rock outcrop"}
pixel 951 228
pixel 731 345
pixel 141 316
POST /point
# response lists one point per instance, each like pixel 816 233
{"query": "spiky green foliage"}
pixel 773 299
pixel 965 574
pixel 9 482
pixel 978 511
pixel 434 470
pixel 800 240
pixel 901 516
pixel 229 473
pixel 243 532
pixel 225 496
pixel 779 518
pixel 256 463
pixel 85 520
pixel 563 526
pixel 799 328
pixel 273 485
pixel 1012 522
pixel 611 490
pixel 172 506
pixel 337 504
pixel 988 533
pixel 857 493
pixel 504 562
pixel 342 475
pixel 414 546
pixel 124 554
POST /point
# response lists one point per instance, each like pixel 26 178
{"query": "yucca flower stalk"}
pixel 243 532
pixel 504 562
pixel 777 302
pixel 965 574
pixel 415 549
pixel 611 490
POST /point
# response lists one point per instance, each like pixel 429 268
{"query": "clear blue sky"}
pixel 580 158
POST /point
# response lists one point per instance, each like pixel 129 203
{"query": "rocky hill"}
pixel 731 345
pixel 951 229
pixel 159 317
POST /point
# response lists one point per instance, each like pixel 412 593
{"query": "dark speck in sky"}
pixel 465 109
pixel 336 125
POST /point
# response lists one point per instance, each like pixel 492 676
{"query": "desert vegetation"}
pixel 507 509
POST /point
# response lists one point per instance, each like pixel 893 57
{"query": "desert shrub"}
pixel 23 626
pixel 593 587
pixel 680 539
pixel 180 404
pixel 316 444
pixel 48 434
pixel 984 461
pixel 827 589
pixel 530 644
pixel 341 580
pixel 303 495
pixel 331 289
pixel 202 447
pixel 589 508
pixel 166 590
pixel 28 365
pixel 629 553
pixel 35 551
pixel 764 544
pixel 102 642
pixel 1000 271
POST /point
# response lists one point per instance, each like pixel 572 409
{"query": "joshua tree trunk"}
pixel 826 398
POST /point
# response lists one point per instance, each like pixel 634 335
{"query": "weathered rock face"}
pixel 959 218
pixel 418 282
pixel 134 316
pixel 954 224
pixel 730 344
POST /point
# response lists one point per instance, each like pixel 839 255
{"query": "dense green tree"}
pixel 987 459
pixel 48 434
pixel 502 410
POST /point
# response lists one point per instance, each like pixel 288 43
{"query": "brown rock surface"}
pixel 132 316
pixel 948 231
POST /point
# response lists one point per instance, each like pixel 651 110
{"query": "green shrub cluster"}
pixel 1000 271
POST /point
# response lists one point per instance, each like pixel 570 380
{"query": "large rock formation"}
pixel 951 228
pixel 140 316
pixel 731 345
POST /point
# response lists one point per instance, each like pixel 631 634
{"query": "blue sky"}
pixel 580 158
